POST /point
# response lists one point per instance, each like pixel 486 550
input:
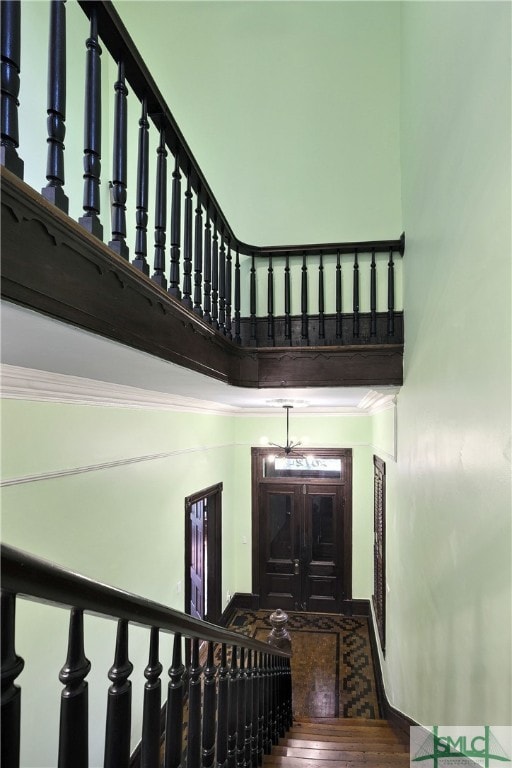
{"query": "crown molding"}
pixel 44 386
pixel 376 402
pixel 18 383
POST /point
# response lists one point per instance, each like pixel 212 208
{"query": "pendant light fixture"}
pixel 290 446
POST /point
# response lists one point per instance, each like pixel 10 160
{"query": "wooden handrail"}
pixel 263 684
pixel 121 47
pixel 202 271
pixel 28 576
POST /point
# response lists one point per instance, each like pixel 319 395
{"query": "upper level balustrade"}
pixel 316 295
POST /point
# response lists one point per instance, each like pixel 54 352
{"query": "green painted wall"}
pixel 309 92
pixel 291 109
pixel 448 656
pixel 292 155
pixel 123 526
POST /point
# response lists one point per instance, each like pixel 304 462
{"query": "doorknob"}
pixel 296 566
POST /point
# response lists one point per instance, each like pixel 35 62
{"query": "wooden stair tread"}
pixel 380 734
pixel 345 745
pixel 339 743
pixel 389 761
pixel 296 731
pixel 353 752
pixel 344 722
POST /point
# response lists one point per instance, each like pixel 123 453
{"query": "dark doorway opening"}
pixel 302 530
pixel 203 554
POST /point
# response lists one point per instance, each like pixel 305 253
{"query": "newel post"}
pixel 279 636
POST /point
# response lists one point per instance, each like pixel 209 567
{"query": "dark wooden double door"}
pixel 304 544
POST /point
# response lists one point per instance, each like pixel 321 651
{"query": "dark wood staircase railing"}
pixel 210 273
pixel 237 706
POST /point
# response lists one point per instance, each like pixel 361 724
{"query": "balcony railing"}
pixel 325 294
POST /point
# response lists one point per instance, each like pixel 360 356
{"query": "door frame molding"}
pixel 213 578
pixel 257 455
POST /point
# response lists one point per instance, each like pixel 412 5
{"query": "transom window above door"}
pixel 302 467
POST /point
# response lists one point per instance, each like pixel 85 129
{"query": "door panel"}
pixel 323 512
pixel 197 560
pixel 278 504
pixel 302 529
pixel 301 546
pixel 203 553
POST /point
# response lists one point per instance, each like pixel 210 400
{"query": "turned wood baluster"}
pixel 391 294
pixel 284 689
pixel 74 704
pixel 119 704
pixel 209 711
pixel 92 133
pixel 287 301
pixel 215 277
pixel 12 666
pixel 254 337
pixel 269 712
pixel 222 285
pixel 119 166
pixel 207 315
pixel 238 340
pixel 174 279
pixel 55 122
pixel 255 709
pixel 194 708
pixel 160 213
pixel 272 704
pixel 304 301
pixel 248 709
pixel 229 268
pixel 233 709
pixel 282 696
pixel 240 741
pixel 275 699
pixel 270 303
pixel 141 203
pixel 373 297
pixel 198 258
pixel 261 707
pixel 187 248
pixel 289 692
pixel 150 743
pixel 321 304
pixel 355 295
pixel 11 49
pixel 339 329
pixel 174 714
pixel 223 710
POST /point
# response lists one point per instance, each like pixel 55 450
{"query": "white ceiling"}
pixel 34 341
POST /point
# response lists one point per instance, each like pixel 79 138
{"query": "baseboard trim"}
pixel 399 720
pixel 355 607
pixel 243 601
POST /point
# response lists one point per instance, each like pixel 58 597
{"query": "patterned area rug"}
pixel 332 668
